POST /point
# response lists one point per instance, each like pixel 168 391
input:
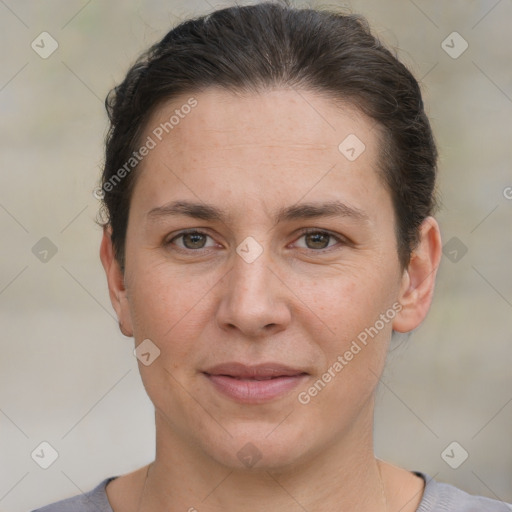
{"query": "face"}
pixel 262 263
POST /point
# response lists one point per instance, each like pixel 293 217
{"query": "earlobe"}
pixel 115 281
pixel 418 279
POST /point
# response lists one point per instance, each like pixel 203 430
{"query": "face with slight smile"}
pixel 233 291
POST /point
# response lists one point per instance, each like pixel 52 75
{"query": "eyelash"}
pixel 306 231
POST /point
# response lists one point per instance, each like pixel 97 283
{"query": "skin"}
pixel 300 303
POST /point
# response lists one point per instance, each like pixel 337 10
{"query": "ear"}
pixel 115 280
pixel 418 279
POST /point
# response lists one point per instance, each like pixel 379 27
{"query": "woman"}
pixel 269 186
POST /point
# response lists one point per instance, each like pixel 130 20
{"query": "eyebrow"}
pixel 295 212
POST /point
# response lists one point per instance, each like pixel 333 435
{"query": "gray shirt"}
pixel 437 497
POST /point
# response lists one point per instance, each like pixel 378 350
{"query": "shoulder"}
pixel 93 501
pixel 441 497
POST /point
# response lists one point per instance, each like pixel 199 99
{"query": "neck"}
pixel 341 476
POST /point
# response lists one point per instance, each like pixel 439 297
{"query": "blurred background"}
pixel 68 377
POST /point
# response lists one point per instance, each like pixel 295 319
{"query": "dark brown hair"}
pixel 253 48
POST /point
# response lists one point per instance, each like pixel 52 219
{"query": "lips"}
pixel 254 383
pixel 256 372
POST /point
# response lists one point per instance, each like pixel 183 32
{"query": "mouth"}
pixel 254 384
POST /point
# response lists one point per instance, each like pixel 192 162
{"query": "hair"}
pixel 257 47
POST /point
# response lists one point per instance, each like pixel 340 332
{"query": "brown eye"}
pixel 317 240
pixel 192 240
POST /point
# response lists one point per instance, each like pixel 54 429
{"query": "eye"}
pixel 316 240
pixel 191 240
pixel 319 240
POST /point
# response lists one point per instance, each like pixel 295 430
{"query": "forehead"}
pixel 279 144
pixel 283 117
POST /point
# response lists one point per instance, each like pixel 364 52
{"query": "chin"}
pixel 259 447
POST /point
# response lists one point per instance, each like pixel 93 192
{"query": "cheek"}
pixel 348 301
pixel 355 346
pixel 167 309
pixel 169 306
pixel 355 353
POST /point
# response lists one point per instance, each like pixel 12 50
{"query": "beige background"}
pixel 68 377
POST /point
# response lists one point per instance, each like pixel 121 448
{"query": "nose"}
pixel 254 299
